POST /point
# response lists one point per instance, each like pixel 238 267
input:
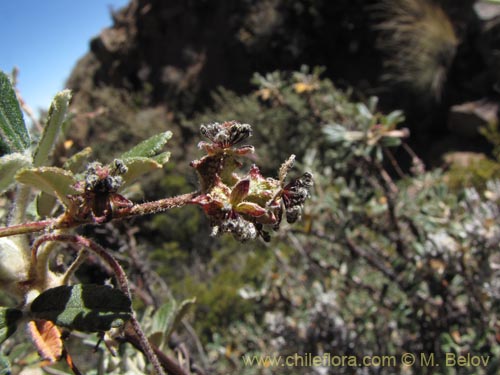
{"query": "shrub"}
pixel 82 193
pixel 388 259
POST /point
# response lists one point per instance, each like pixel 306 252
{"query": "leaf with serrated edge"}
pixel 14 136
pixel 87 308
pixel 8 322
pixel 9 165
pixel 51 180
pixel 149 147
pixel 55 119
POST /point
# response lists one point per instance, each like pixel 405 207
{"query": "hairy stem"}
pixel 121 279
pixel 82 257
pixel 66 222
pixel 25 228
pixel 21 201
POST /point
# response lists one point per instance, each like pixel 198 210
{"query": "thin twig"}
pixel 394 162
pixel 82 257
pixel 169 364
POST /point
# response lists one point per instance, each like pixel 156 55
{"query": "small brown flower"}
pixel 244 206
pixel 99 196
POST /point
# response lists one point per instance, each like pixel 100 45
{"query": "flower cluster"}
pixel 99 192
pixel 243 205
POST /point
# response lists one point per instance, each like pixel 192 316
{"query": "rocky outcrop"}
pixel 171 55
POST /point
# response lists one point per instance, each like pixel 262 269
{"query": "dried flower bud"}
pixel 244 206
pixel 294 196
pixel 100 179
pixel 221 159
pixel 99 196
pixel 241 229
pixel 119 167
pixel 226 134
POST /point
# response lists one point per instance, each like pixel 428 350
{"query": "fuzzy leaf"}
pixel 47 339
pixel 8 322
pixel 57 113
pixel 166 319
pixel 87 308
pixel 149 147
pixel 181 312
pixel 162 158
pixel 51 180
pixel 14 263
pixel 45 204
pixel 78 160
pixel 137 166
pixel 162 319
pixel 10 164
pixel 14 136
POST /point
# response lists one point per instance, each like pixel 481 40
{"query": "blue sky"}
pixel 45 39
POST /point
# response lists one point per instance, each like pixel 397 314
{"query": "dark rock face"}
pixel 173 54
pixel 180 51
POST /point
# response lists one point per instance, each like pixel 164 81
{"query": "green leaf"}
pixel 51 180
pixel 55 120
pixel 45 204
pixel 162 158
pixel 5 368
pixel 162 320
pixel 181 312
pixel 78 160
pixel 87 308
pixel 390 141
pixel 167 318
pixel 138 166
pixel 8 322
pixel 14 136
pixel 335 133
pixel 10 164
pixel 149 147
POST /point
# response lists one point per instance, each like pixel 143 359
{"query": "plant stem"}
pixel 82 257
pixel 121 279
pixel 21 201
pixel 66 222
pixel 156 206
pixel 25 228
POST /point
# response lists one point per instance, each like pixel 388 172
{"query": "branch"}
pixel 169 364
pixel 121 279
pixel 66 222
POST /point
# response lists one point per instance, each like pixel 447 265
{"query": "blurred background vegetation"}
pixel 398 250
